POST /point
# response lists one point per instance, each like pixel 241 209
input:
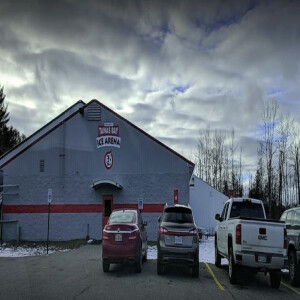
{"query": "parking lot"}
pixel 77 274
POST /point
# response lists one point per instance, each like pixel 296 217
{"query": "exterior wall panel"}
pixel 206 202
pixel 72 163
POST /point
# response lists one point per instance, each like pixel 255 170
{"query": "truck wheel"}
pixel 293 268
pixel 217 257
pixel 232 268
pixel 105 266
pixel 275 278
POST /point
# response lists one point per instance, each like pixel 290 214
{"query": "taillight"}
pixel 162 230
pixel 285 243
pixel 134 233
pixel 238 234
pixel 194 232
pixel 104 234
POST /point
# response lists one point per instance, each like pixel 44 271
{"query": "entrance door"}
pixel 107 201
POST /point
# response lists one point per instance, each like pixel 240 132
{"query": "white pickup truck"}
pixel 247 239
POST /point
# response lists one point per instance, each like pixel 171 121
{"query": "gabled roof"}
pixel 75 109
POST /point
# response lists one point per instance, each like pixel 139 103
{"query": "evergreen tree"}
pixel 4 115
pixel 9 136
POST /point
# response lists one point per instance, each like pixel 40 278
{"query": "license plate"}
pixel 262 259
pixel 118 237
pixel 178 240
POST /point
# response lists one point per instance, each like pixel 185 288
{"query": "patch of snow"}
pixel 206 251
pixel 26 251
pixel 152 252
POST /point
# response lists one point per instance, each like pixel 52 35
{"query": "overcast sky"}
pixel 170 67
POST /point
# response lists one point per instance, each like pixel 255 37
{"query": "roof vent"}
pixel 94 112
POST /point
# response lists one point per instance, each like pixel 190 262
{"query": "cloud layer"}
pixel 170 67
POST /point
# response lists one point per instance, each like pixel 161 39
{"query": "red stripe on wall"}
pixel 75 208
pixel 54 208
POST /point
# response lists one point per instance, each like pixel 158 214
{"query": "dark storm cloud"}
pixel 143 114
pixel 171 67
pixel 27 118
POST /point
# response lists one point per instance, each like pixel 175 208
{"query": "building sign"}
pixel 140 204
pixel 108 136
pixel 108 160
pixel 49 195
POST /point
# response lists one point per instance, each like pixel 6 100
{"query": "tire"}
pixel 217 257
pixel 105 266
pixel 275 278
pixel 160 267
pixel 138 265
pixel 232 268
pixel 293 268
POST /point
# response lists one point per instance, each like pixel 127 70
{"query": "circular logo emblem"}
pixel 108 160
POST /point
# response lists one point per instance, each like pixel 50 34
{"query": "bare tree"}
pixel 285 129
pixel 270 121
pixel 294 158
pixel 232 149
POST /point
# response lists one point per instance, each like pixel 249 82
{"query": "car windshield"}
pixel 122 217
pixel 247 209
pixel 178 215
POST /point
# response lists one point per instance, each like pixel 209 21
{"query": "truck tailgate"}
pixel 262 236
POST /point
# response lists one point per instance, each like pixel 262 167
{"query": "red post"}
pixel 176 199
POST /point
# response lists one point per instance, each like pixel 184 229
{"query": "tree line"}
pixel 219 161
pixel 9 136
pixel 276 181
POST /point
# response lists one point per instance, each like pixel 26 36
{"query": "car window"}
pixel 289 217
pixel 122 217
pixel 178 215
pixel 246 209
pixel 224 212
pixel 297 219
pixel 283 217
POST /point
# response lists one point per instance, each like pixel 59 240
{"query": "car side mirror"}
pixel 145 223
pixel 218 217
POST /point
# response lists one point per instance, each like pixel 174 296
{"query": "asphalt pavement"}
pixel 77 274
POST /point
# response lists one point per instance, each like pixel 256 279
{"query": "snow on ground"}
pixel 206 251
pixel 8 251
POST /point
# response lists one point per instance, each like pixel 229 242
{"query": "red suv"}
pixel 124 239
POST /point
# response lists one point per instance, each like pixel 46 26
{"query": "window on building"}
pixel 42 165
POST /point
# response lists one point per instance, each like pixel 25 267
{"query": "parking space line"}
pixel 289 287
pixel 214 277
